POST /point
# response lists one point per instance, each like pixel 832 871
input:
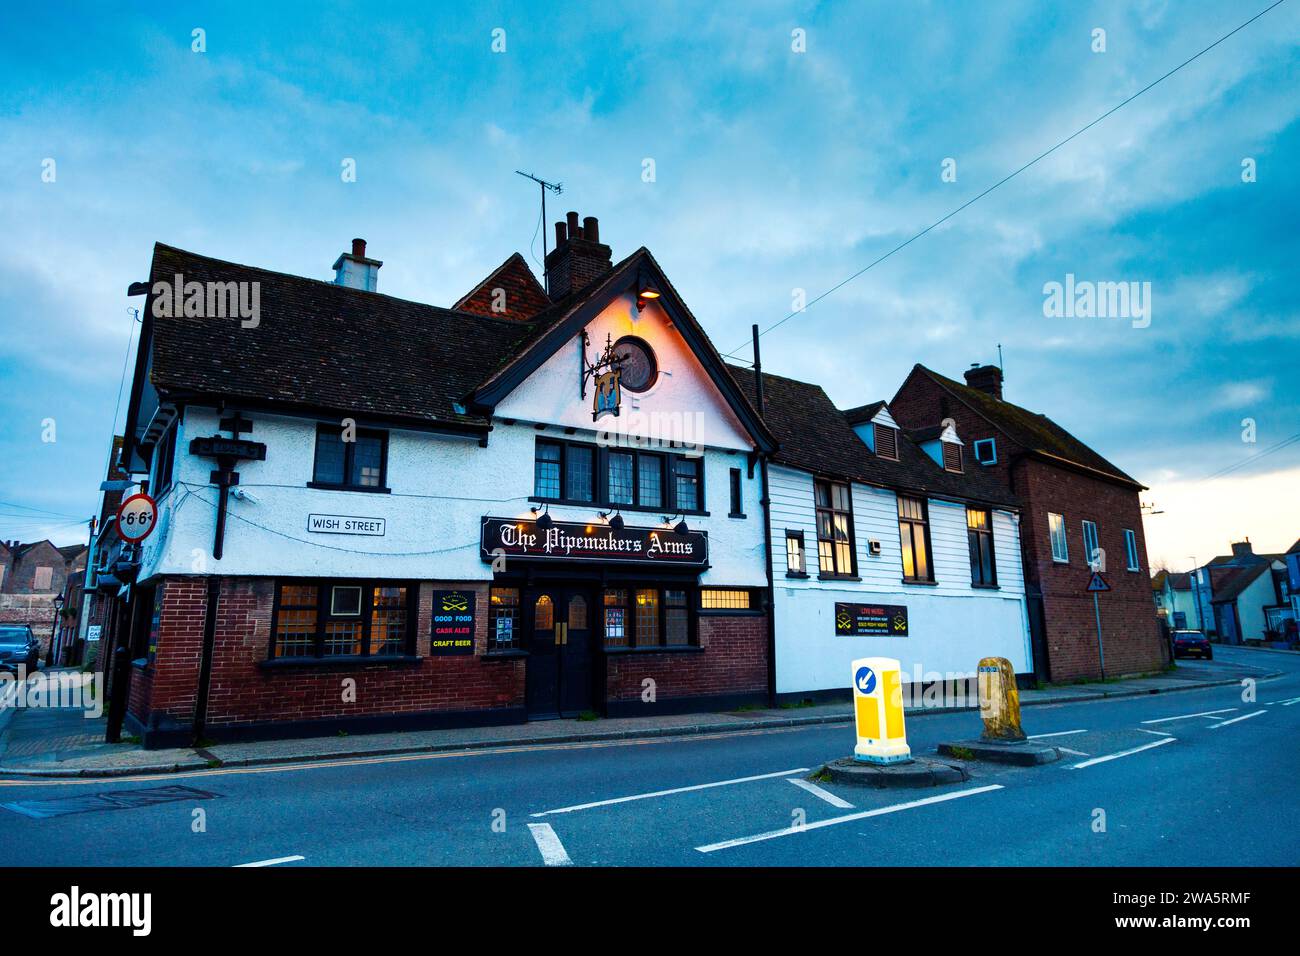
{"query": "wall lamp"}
pixel 544 521
pixel 646 291
pixel 681 527
pixel 614 518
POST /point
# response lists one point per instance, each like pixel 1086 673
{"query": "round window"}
pixel 637 366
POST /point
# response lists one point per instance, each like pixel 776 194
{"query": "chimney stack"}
pixel 579 257
pixel 354 270
pixel 1243 549
pixel 986 378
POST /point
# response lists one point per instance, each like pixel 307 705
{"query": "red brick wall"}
pixel 1128 617
pixel 170 684
pixel 732 660
pixel 241 692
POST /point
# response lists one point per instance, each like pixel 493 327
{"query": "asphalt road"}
pixel 1210 790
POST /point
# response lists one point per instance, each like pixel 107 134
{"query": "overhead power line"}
pixel 1010 176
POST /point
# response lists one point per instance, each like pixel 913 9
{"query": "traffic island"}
pixel 1021 753
pixel 917 772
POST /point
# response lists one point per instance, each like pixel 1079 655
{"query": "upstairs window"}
pixel 979 535
pixel 834 508
pixel 1091 549
pixel 914 533
pixel 686 472
pixel 794 554
pixel 886 441
pixel 356 465
pixel 986 451
pixel 546 470
pixel 164 462
pixel 737 504
pixel 1131 549
pixel 1056 531
pixel 951 456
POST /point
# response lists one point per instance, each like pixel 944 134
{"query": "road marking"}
pixel 1077 753
pixel 1158 733
pixel 1288 703
pixel 1125 753
pixel 1224 723
pixel 276 862
pixel 1059 733
pixel 666 793
pixel 553 853
pixel 817 791
pixel 848 818
pixel 1204 713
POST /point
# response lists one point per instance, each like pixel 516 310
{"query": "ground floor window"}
pixel 342 619
pixel 503 619
pixel 647 617
pixel 724 599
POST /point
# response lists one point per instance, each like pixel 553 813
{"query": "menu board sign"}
pixel 880 620
pixel 453 623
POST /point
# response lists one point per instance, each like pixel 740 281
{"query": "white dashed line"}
pixel 1077 753
pixel 666 793
pixel 1288 703
pixel 1125 753
pixel 1204 713
pixel 1224 723
pixel 1158 733
pixel 817 791
pixel 553 852
pixel 276 862
pixel 1059 733
pixel 848 818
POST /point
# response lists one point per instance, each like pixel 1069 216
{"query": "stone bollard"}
pixel 999 700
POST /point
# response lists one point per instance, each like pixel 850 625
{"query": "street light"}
pixel 54 627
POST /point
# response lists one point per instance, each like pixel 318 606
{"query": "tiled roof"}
pixel 1035 432
pixel 1230 586
pixel 523 297
pixel 815 436
pixel 323 345
pixel 863 413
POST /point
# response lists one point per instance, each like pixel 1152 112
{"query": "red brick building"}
pixel 1079 508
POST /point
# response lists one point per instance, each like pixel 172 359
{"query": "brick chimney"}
pixel 579 257
pixel 987 378
pixel 1243 549
pixel 355 271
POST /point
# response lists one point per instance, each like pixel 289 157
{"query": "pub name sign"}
pixel 567 541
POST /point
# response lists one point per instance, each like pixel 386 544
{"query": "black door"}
pixel 559 675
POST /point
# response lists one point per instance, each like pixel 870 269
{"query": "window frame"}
pixel 924 523
pixel 493 645
pixel 1085 524
pixel 165 460
pixel 349 458
pixel 947 446
pixel 986 531
pixel 737 494
pixel 837 573
pixel 975 451
pixel 600 480
pixel 1131 560
pixel 631 637
pixel 324 595
pixel 792 534
pixel 1064 557
pixel 753 601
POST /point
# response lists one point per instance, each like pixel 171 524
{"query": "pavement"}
pixel 1203 777
pixel 52 742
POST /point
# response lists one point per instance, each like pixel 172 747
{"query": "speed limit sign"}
pixel 136 518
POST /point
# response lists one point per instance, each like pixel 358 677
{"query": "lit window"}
pixel 979 536
pixel 914 533
pixel 794 553
pixel 724 599
pixel 1060 547
pixel 503 615
pixel 834 527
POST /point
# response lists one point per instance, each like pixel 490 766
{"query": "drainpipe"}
pixel 766 504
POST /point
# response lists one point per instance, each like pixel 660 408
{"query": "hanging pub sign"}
pixel 864 620
pixel 604 373
pixel 453 623
pixel 566 541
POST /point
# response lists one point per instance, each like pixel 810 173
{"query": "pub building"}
pixel 377 514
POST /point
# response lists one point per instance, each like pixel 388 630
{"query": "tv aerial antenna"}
pixel 556 188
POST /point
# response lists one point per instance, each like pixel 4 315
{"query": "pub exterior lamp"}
pixel 646 291
pixel 544 521
pixel 54 629
pixel 682 527
pixel 613 519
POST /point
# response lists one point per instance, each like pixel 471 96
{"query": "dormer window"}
pixel 886 441
pixel 986 451
pixel 952 456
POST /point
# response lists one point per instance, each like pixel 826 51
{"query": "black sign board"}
pixel 453 623
pixel 566 541
pixel 218 447
pixel 881 620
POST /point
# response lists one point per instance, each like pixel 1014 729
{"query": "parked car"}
pixel 1189 643
pixel 18 645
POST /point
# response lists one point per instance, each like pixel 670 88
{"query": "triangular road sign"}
pixel 1097 582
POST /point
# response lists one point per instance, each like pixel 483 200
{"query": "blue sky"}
pixel 775 171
